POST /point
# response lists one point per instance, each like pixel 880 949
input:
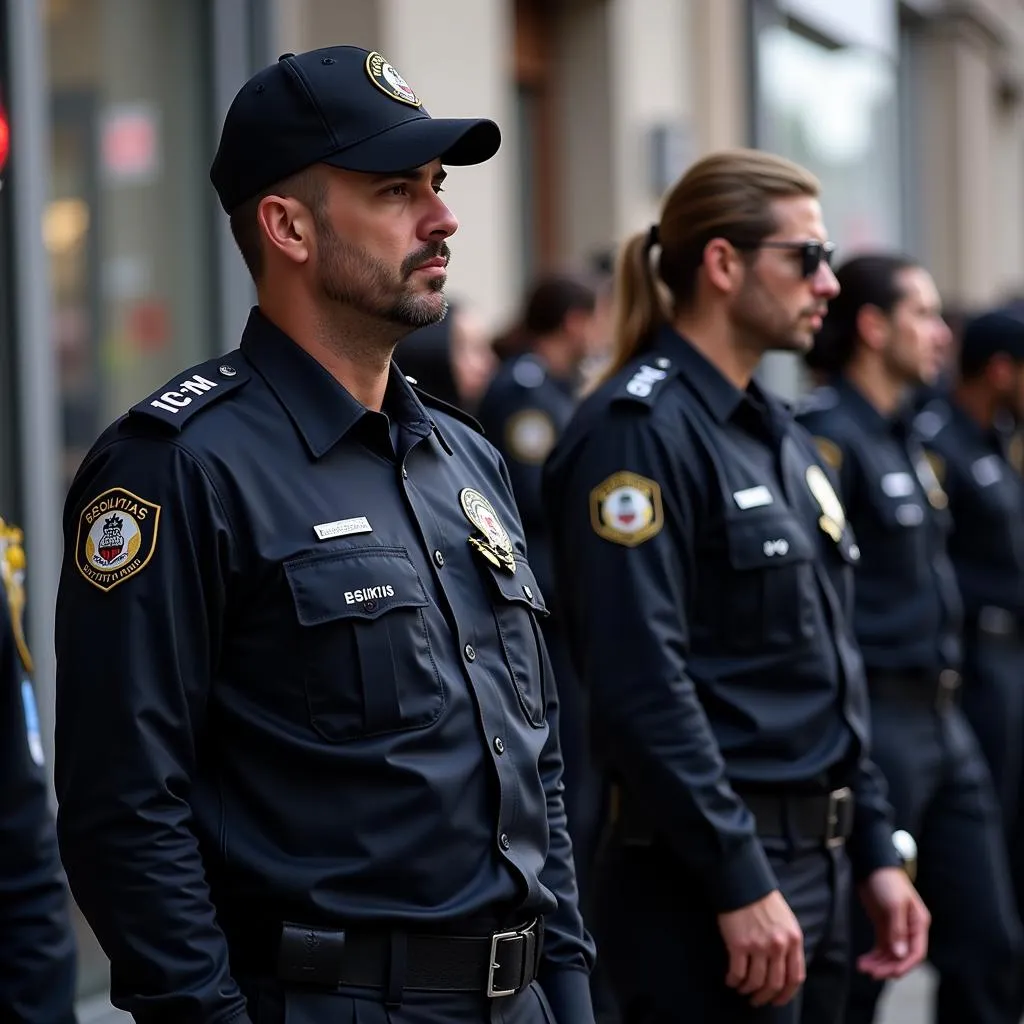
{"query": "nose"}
pixel 825 282
pixel 439 222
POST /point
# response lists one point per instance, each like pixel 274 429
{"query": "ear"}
pixel 723 266
pixel 1001 373
pixel 873 327
pixel 287 227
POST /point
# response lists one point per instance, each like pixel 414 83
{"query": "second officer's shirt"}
pixel 300 678
pixel 704 563
pixel 986 503
pixel 523 412
pixel 908 612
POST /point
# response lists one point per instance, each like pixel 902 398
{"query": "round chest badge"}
pixel 389 81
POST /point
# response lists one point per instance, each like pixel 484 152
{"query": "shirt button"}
pixel 439 559
pixel 499 744
pixel 469 652
pixel 405 473
pixel 528 592
pixel 504 840
pixel 370 606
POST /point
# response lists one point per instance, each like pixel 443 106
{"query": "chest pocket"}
pixel 367 665
pixel 518 605
pixel 769 599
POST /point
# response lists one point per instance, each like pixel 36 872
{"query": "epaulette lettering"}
pixel 196 389
pixel 646 382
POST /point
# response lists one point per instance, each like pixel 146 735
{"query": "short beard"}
pixel 350 276
pixel 762 320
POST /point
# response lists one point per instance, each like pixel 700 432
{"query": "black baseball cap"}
pixel 998 332
pixel 340 105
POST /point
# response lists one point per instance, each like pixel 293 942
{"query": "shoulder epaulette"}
pixel 454 411
pixel 645 380
pixel 930 420
pixel 194 390
pixel 819 400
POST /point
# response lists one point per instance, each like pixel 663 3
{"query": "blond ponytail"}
pixel 639 304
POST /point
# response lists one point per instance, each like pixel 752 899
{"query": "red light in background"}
pixel 5 138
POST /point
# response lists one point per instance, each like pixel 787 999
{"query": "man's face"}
pixel 778 306
pixel 381 244
pixel 917 349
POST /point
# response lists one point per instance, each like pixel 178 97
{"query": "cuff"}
pixel 870 848
pixel 744 878
pixel 568 993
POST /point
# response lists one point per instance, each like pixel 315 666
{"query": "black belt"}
pixel 934 688
pixel 500 964
pixel 825 818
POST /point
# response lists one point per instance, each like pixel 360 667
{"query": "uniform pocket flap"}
pixel 764 542
pixel 363 584
pixel 520 586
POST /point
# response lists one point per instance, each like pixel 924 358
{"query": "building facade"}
pixel 117 268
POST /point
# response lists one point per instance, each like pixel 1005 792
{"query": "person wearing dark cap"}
pixel 968 439
pixel 884 336
pixel 306 748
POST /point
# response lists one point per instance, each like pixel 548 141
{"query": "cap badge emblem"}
pixel 389 81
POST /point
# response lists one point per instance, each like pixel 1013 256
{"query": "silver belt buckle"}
pixel 838 796
pixel 496 940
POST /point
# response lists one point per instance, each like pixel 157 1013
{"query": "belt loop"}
pixel 398 956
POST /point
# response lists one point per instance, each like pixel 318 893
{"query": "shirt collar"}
pixel 322 410
pixel 710 386
pixel 899 422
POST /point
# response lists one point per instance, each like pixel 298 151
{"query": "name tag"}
pixel 898 485
pixel 343 528
pixel 987 471
pixel 753 497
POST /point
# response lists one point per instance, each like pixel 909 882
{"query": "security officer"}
pixel 37 946
pixel 704 563
pixel 307 756
pixel 968 446
pixel 883 336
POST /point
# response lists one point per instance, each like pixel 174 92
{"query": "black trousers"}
pixel 942 793
pixel 664 955
pixel 271 1003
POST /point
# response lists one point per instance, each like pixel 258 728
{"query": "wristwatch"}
pixel 906 847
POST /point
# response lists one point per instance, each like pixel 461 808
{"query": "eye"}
pixel 397 190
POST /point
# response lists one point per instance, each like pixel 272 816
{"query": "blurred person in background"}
pixel 883 337
pixel 37 945
pixel 451 359
pixel 704 567
pixel 524 411
pixel 969 438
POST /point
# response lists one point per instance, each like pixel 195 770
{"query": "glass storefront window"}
pixel 835 110
pixel 127 225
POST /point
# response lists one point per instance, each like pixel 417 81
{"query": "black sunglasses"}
pixel 811 253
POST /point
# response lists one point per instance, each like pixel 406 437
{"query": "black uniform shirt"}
pixel 524 412
pixel 986 499
pixel 707 608
pixel 907 604
pixel 289 688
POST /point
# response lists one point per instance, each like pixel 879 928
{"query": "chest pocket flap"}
pixel 364 646
pixel 521 587
pixel 766 542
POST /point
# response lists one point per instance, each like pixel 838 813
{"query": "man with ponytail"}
pixel 883 338
pixel 704 564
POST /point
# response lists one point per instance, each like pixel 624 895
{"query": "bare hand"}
pixel 901 923
pixel 766 950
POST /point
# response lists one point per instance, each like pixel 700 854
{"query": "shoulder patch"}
pixel 530 434
pixel 452 410
pixel 12 575
pixel 117 534
pixel 830 452
pixel 194 390
pixel 646 381
pixel 626 509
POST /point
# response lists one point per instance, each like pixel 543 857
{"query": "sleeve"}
pixel 37 946
pixel 139 608
pixel 568 955
pixel 625 520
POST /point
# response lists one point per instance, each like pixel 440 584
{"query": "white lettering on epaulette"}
pixel 641 384
pixel 172 401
